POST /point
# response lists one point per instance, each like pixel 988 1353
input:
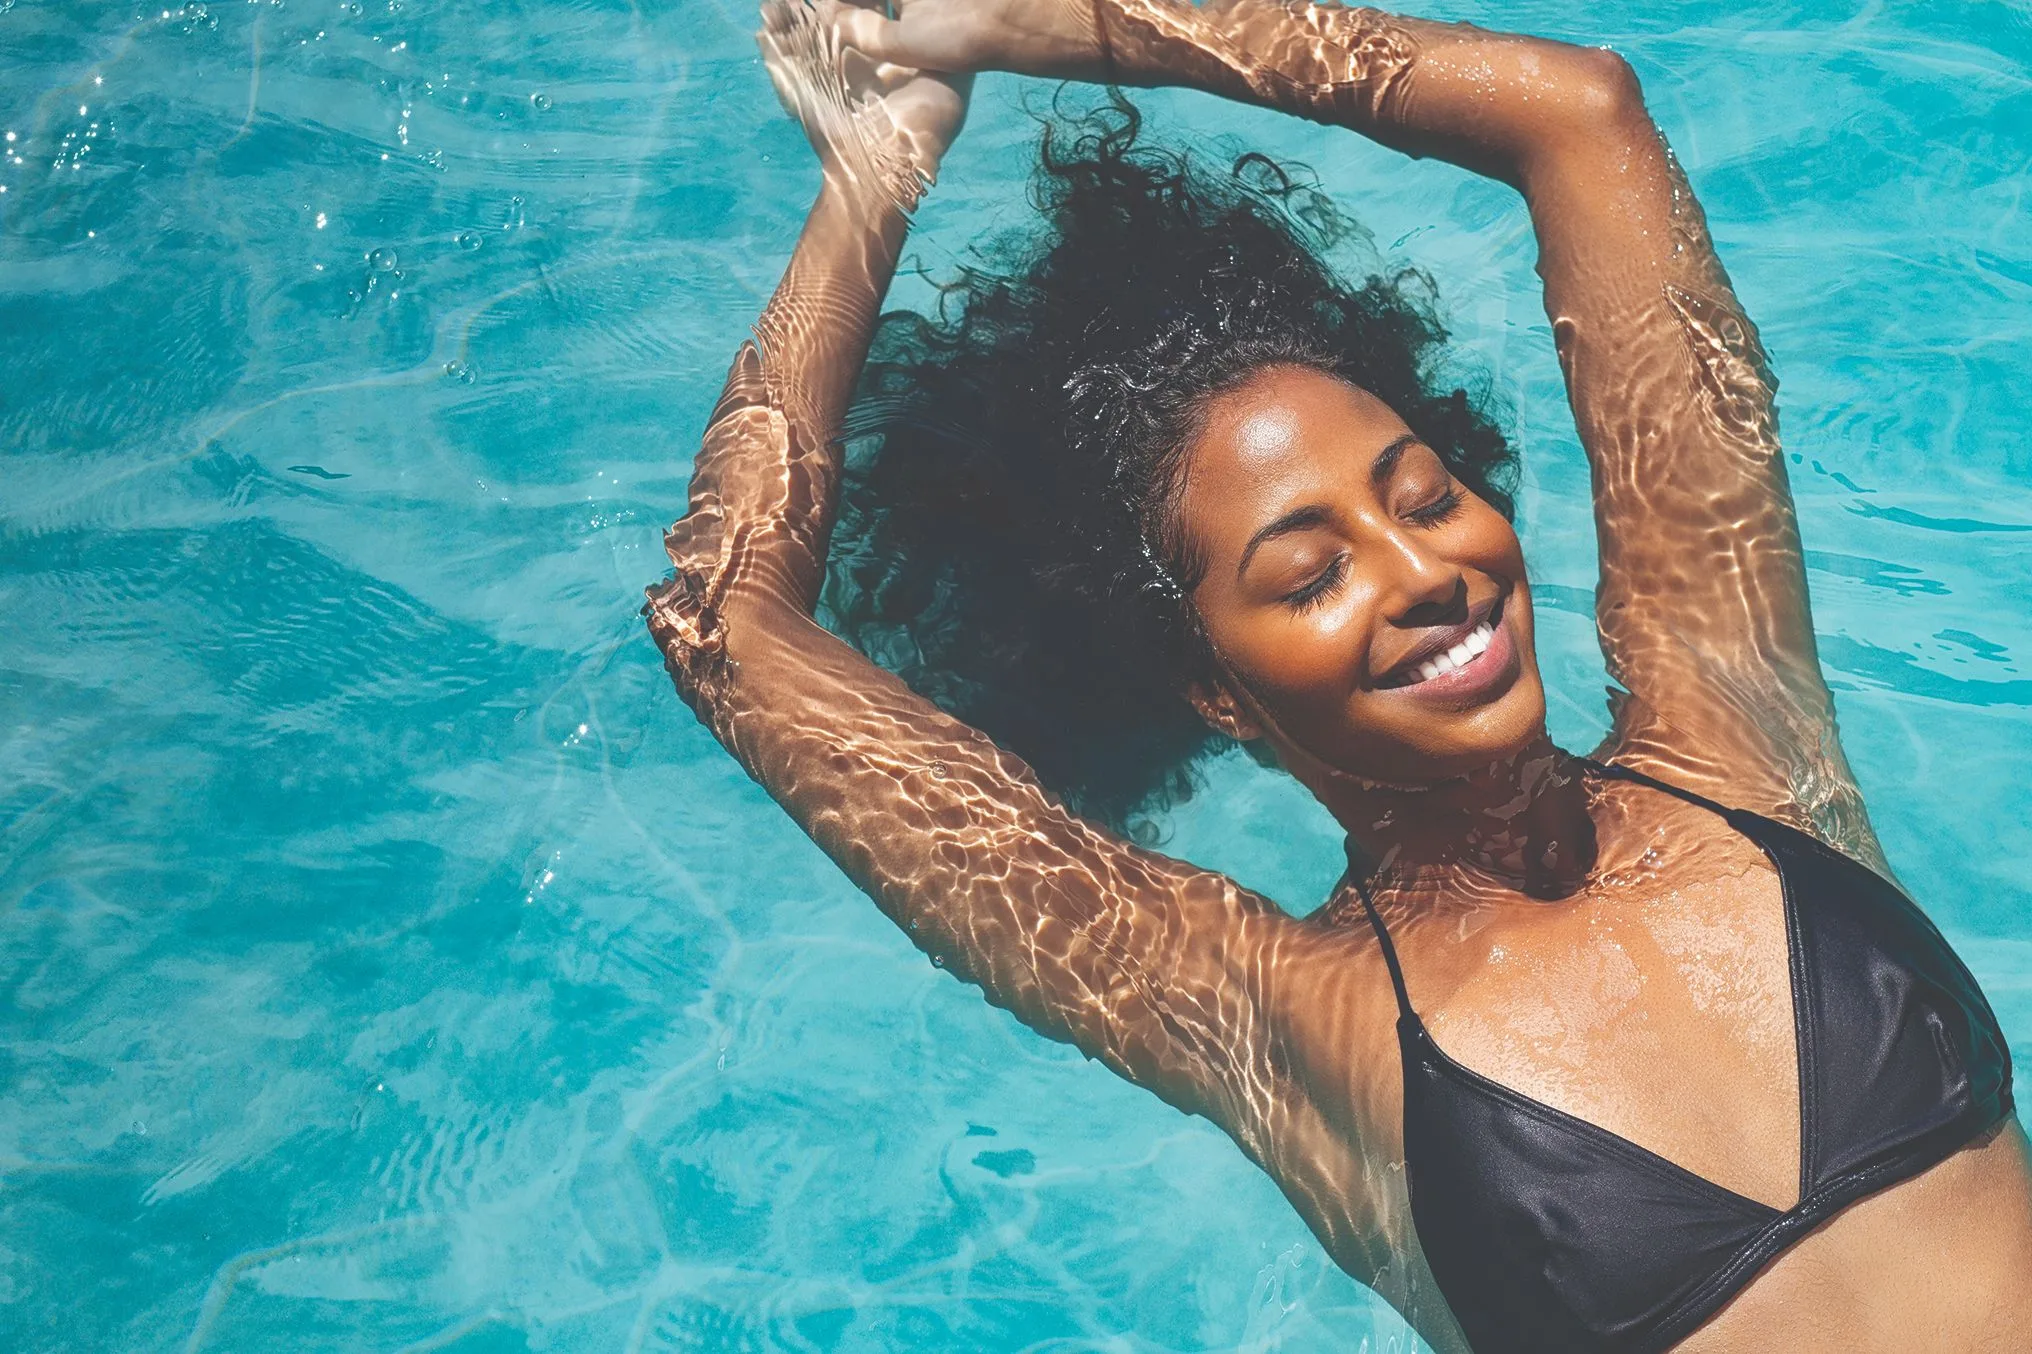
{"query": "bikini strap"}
pixel 1617 772
pixel 1383 935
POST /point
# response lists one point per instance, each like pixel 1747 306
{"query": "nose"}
pixel 1423 589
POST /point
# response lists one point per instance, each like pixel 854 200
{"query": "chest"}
pixel 1658 1008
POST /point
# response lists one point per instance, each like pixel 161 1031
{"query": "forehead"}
pixel 1286 436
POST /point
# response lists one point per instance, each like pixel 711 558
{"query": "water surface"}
pixel 389 962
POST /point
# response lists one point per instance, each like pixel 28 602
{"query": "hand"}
pixel 879 127
pixel 1056 39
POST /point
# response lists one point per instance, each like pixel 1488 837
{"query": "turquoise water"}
pixel 390 963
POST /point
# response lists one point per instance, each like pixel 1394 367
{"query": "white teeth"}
pixel 1460 655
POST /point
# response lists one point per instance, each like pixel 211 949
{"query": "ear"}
pixel 1223 713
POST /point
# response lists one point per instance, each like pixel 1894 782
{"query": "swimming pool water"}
pixel 390 963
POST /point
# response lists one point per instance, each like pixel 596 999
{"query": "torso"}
pixel 1656 1003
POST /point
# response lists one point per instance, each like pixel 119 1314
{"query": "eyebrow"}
pixel 1315 514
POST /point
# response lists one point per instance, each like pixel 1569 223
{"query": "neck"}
pixel 1521 823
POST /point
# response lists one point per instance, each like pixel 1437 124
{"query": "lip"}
pixel 1488 673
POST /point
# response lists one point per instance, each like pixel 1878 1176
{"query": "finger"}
pixel 888 77
pixel 777 62
pixel 871 33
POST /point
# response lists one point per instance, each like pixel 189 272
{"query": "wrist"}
pixel 850 209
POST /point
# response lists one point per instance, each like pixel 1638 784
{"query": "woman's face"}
pixel 1373 613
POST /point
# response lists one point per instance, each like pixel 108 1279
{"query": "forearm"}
pixel 1497 103
pixel 812 339
pixel 764 479
pixel 815 331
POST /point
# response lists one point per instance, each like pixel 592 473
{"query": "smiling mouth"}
pixel 1448 653
pixel 1459 656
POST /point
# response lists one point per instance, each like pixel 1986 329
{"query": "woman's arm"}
pixel 1142 962
pixel 1702 604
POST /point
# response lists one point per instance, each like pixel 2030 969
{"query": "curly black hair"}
pixel 1006 541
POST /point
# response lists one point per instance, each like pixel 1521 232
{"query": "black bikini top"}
pixel 1547 1233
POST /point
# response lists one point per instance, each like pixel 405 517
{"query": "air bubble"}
pixel 381 261
pixel 468 240
pixel 540 101
pixel 460 372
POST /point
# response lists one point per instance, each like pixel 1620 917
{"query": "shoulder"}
pixel 1756 761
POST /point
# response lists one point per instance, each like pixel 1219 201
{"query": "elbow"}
pixel 1591 106
pixel 1602 92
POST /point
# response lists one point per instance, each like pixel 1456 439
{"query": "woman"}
pixel 1707 1082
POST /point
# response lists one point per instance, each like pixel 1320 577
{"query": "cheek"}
pixel 1294 659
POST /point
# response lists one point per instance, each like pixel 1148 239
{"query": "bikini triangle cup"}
pixel 1548 1233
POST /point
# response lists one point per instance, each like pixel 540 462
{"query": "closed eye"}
pixel 1437 511
pixel 1315 592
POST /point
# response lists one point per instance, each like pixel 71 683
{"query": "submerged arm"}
pixel 1702 605
pixel 1141 961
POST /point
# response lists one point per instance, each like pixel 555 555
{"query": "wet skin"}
pixel 1598 946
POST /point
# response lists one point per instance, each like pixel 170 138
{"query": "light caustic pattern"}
pixel 391 961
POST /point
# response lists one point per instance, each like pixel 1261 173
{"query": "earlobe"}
pixel 1223 713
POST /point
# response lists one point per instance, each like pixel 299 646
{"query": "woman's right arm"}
pixel 1150 965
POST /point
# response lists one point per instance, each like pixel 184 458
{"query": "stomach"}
pixel 390 962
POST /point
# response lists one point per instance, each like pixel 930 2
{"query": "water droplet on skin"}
pixel 540 101
pixel 939 771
